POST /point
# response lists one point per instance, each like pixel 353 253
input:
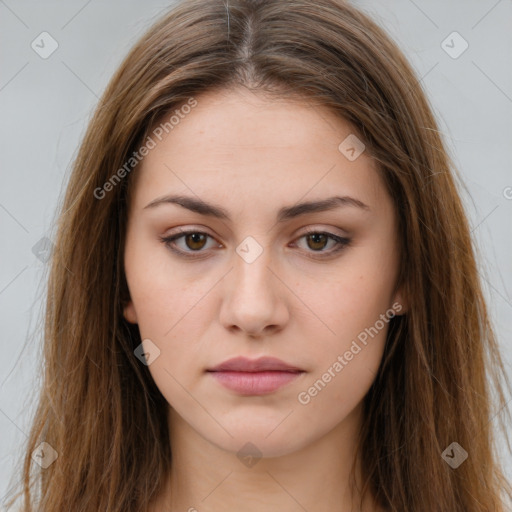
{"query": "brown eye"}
pixel 319 241
pixel 186 243
pixel 195 241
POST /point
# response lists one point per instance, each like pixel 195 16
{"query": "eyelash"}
pixel 341 242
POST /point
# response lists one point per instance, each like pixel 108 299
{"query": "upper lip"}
pixel 243 364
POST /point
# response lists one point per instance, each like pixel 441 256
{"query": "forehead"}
pixel 257 147
pixel 248 122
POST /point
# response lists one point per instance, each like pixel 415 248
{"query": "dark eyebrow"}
pixel 286 213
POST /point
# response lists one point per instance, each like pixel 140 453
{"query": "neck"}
pixel 207 478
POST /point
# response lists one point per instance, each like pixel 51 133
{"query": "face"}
pixel 239 268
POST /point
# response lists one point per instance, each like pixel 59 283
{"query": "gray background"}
pixel 46 104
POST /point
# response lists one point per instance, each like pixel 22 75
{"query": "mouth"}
pixel 254 377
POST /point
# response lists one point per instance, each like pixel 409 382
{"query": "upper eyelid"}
pixel 204 231
pixel 183 232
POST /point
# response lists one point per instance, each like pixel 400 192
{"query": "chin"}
pixel 259 442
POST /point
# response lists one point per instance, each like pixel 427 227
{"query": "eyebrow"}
pixel 286 213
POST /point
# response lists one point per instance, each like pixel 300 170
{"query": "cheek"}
pixel 353 300
pixel 158 294
pixel 327 403
pixel 355 305
pixel 167 312
pixel 352 352
pixel 348 363
pixel 173 311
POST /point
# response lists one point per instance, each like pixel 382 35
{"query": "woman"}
pixel 264 294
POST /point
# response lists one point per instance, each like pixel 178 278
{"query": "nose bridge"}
pixel 252 301
pixel 251 273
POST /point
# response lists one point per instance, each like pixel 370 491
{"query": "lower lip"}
pixel 255 383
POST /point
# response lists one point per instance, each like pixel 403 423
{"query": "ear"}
pixel 400 303
pixel 129 312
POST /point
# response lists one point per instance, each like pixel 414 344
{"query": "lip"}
pixel 262 364
pixel 254 376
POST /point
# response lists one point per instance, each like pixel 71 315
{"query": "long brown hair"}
pixel 99 408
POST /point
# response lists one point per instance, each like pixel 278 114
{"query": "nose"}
pixel 254 298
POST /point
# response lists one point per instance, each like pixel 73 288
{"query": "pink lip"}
pixel 262 364
pixel 254 377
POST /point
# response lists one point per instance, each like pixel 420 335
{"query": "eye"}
pixel 195 241
pixel 318 240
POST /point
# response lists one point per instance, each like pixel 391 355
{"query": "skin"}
pixel 252 156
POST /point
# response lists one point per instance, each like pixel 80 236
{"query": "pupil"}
pixel 315 238
pixel 196 239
